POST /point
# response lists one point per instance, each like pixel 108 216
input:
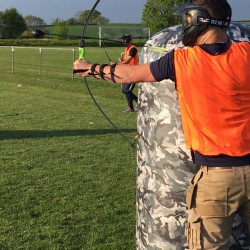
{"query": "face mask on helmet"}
pixel 195 20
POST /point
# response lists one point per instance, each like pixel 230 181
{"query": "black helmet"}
pixel 195 20
pixel 127 38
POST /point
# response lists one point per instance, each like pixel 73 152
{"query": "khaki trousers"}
pixel 213 198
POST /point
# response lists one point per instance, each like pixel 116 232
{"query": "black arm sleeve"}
pixel 163 68
pixel 132 52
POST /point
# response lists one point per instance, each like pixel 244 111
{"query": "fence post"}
pixel 12 59
pixel 100 36
pixel 41 60
pixel 73 62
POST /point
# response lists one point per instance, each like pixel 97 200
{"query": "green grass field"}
pixel 67 178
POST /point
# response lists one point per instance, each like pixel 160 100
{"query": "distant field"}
pixel 92 30
pixel 246 22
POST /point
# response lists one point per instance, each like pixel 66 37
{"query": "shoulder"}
pixel 133 46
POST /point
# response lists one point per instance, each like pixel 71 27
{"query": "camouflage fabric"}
pixel 164 164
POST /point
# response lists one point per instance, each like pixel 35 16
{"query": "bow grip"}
pixel 81 53
pixel 79 70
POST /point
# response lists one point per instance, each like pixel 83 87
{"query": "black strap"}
pixel 220 23
pixel 112 72
pixel 92 69
pixel 79 70
pixel 101 70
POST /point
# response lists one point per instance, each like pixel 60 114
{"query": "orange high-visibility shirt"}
pixel 134 60
pixel 214 96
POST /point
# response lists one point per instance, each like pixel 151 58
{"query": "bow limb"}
pixel 82 42
pixel 81 57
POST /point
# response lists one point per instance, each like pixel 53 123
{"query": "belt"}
pixel 218 168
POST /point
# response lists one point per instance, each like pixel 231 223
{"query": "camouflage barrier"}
pixel 164 164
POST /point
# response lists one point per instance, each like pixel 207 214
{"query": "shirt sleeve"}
pixel 132 52
pixel 163 68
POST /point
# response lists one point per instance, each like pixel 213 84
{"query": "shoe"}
pixel 128 110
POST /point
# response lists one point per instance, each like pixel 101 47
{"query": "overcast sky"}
pixel 117 11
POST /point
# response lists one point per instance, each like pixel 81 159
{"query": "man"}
pixel 164 165
pixel 130 57
pixel 213 83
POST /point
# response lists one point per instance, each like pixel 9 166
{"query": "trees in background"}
pixel 34 21
pixel 12 23
pixel 157 14
pixel 31 23
pixel 61 28
pixel 96 17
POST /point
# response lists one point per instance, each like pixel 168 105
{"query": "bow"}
pixel 81 57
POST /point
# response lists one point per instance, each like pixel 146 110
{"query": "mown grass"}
pixel 67 179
